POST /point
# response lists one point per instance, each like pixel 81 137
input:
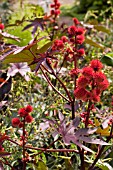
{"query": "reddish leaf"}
pixel 37 22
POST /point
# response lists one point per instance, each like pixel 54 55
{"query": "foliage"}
pixel 95 9
pixel 55 93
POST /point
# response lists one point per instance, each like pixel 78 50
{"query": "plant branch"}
pixel 45 149
pixel 52 150
pixel 53 73
pixel 49 82
pixel 67 92
pixel 88 114
pixel 24 134
pixel 7 163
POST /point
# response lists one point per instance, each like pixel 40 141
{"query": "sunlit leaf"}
pixel 41 166
pixel 102 28
pixel 104 166
pixel 93 43
pixel 17 22
pixel 100 130
pixel 44 48
pixel 23 56
pixel 7 35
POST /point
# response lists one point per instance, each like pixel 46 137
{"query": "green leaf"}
pixel 68 165
pixel 44 48
pixel 41 166
pixel 93 43
pixel 102 28
pixel 105 166
pixel 24 37
pixel 9 36
pixel 23 56
pixel 107 59
pixel 110 54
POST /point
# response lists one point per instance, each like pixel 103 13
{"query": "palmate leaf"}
pixel 85 131
pixel 9 36
pixel 17 54
pixel 17 22
pixel 37 22
pixel 93 140
pixel 69 134
pixel 22 56
pixel 28 53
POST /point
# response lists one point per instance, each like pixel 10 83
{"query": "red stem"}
pixel 44 149
pixel 24 135
pixel 49 82
pixel 67 92
pixel 7 163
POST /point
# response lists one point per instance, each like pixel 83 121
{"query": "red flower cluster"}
pixel 76 36
pixel 67 43
pixel 75 20
pixel 23 113
pixel 91 83
pixel 76 32
pixel 55 11
pixel 58 44
pixel 1 26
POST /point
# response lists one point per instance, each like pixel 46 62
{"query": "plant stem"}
pixel 49 82
pixel 73 109
pixel 24 134
pixel 45 149
pixel 67 92
pixel 53 73
pixel 53 150
pixel 7 163
pixel 88 114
